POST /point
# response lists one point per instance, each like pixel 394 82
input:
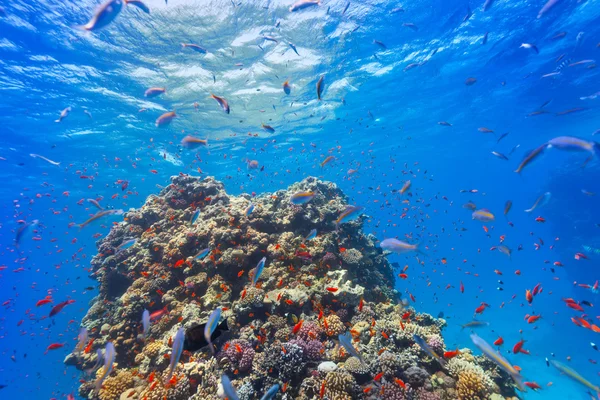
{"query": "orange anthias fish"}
pixel 528 296
pixel 499 341
pixel 297 326
pixel 519 346
pixel 451 354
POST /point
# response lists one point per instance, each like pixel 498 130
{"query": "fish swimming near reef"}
pixel 499 360
pixel 475 324
pixel 109 358
pixel 349 214
pixel 427 349
pixel 398 246
pixel 346 341
pixel 194 336
pixel 571 373
pixel 176 351
pixel 228 388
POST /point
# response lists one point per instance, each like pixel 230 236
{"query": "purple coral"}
pixel 423 394
pixel 436 343
pixel 312 349
pixel 310 331
pixel 239 353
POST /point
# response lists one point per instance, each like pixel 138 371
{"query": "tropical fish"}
pixel 109 358
pixel 500 155
pixel 195 216
pixel 540 202
pixel 487 4
pixel 269 394
pixel 470 206
pixel 95 203
pixel 530 47
pixel 327 160
pixel 228 388
pixel 165 119
pixel 498 359
pixel 222 102
pixel 571 143
pixel 532 155
pixel 105 14
pixel 320 84
pixel 507 206
pixel 346 341
pixel 571 373
pixel 176 351
pixel 63 114
pixel 286 87
pixel 293 48
pixel 300 198
pixel 82 339
pixel 211 326
pixel 194 336
pixel 311 235
pixel 99 215
pixel 405 187
pixel 425 347
pixel 302 4
pixel 192 142
pixel 195 47
pixel 475 324
pixel 23 229
pixel 505 250
pixel 58 308
pixel 258 270
pixel 268 128
pixel 154 91
pixel 125 245
pixel 249 209
pixel 139 5
pixel 45 159
pixel 202 253
pixel 145 323
pixel 398 246
pixel 483 215
pixel 549 4
pixel 349 214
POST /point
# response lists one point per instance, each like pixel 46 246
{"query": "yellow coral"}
pixel 471 386
pixel 335 326
pixel 113 386
pixel 152 349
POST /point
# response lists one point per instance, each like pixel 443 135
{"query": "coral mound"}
pixel 284 328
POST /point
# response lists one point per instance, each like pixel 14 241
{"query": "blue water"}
pixel 374 117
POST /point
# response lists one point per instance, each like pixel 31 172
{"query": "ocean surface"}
pixel 392 71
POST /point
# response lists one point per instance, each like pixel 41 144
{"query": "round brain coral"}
pixel 335 326
pixel 471 386
pixel 113 386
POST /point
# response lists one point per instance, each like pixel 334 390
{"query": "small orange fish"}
pixel 297 326
pixel 378 377
pixel 400 383
pixel 451 354
pixel 332 289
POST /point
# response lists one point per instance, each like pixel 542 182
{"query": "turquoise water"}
pixel 376 116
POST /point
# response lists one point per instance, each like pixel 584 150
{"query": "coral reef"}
pixel 283 329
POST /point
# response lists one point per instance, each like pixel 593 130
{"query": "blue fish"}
pixel 194 217
pixel 104 16
pixel 21 231
pixel 211 325
pixel 249 209
pixel 259 269
pixel 349 214
pixel 176 351
pixel 425 347
pixel 109 358
pixel 228 388
pixel 311 235
pixel 202 253
pixel 146 322
pixel 346 341
pixel 271 392
pixel 125 245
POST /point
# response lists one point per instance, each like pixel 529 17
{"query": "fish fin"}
pixel 223 325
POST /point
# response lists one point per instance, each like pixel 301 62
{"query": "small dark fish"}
pixel 293 48
pixel 571 110
pixel 380 44
pixel 502 137
pixel 559 35
pixel 500 155
pixel 346 8
pixel 320 87
pixel 411 26
pixel 469 14
pixel 470 81
pixel 194 336
pixel 485 38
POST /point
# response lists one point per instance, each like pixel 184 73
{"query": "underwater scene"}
pixel 299 199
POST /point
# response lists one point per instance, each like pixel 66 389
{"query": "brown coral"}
pixel 113 386
pixel 471 386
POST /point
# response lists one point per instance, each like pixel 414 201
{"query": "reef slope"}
pixel 284 329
